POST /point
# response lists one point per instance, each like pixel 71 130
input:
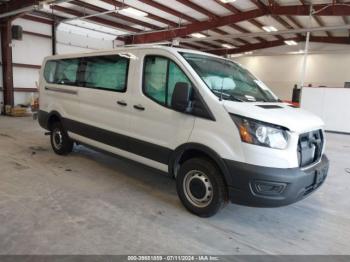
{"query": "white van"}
pixel 204 119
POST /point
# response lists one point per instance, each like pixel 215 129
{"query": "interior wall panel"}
pixel 31 50
pixel 331 104
pixel 282 72
pixel 32 26
pixel 25 77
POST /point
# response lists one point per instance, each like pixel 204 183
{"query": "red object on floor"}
pixel 292 103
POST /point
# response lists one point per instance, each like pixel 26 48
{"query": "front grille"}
pixel 310 147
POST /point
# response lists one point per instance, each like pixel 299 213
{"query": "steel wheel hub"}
pixel 57 138
pixel 198 188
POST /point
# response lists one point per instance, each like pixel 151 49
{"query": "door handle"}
pixel 139 107
pixel 122 103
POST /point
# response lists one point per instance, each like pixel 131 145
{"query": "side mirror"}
pixel 181 99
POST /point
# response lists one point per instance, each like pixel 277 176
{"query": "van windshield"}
pixel 228 80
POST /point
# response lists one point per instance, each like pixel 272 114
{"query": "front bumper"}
pixel 272 187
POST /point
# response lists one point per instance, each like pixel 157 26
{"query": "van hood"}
pixel 282 114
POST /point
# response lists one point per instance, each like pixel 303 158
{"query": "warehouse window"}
pixel 106 72
pixel 160 77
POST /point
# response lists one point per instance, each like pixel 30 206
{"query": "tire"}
pixel 60 141
pixel 201 187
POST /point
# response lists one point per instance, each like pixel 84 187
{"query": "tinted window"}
pixel 155 78
pixel 175 75
pixel 49 71
pixel 62 72
pixel 66 71
pixel 160 78
pixel 106 72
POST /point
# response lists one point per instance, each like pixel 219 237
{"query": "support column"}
pixel 7 71
pixel 53 34
pixel 306 52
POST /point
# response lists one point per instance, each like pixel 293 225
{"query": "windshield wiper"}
pixel 232 97
pixel 226 96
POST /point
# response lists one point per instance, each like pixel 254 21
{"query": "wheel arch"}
pixel 191 150
pixel 53 117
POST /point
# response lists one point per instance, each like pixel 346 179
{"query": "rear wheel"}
pixel 201 187
pixel 60 141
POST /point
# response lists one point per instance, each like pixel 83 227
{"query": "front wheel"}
pixel 201 187
pixel 60 141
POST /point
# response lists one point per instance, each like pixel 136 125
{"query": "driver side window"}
pixel 160 77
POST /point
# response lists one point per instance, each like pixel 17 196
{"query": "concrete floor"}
pixel 90 203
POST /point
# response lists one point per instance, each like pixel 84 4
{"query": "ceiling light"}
pixel 133 11
pixel 248 53
pixel 227 1
pixel 290 42
pixel 198 35
pixel 269 28
pixel 227 46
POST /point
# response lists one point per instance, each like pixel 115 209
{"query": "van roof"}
pixel 127 48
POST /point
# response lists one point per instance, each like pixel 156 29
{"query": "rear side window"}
pixel 106 72
pixel 160 77
pixel 49 71
pixel 62 72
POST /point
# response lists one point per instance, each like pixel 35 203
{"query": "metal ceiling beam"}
pixel 279 19
pixel 37 19
pixel 96 19
pixel 48 16
pixel 173 12
pixel 20 7
pixel 194 27
pixel 211 15
pixel 261 5
pixel 317 19
pixel 169 10
pixel 114 14
pixel 151 16
pixel 15 5
pixel 282 32
pixel 331 40
pixel 188 18
pixel 319 9
pixel 345 18
pixel 321 23
pixel 235 10
pixel 250 47
pixel 303 10
pixel 269 44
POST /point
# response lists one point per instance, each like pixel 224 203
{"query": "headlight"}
pixel 260 133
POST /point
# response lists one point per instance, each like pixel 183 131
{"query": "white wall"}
pixel 331 104
pixel 30 50
pixel 281 72
pixel 33 49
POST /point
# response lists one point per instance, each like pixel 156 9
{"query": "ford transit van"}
pixel 207 121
